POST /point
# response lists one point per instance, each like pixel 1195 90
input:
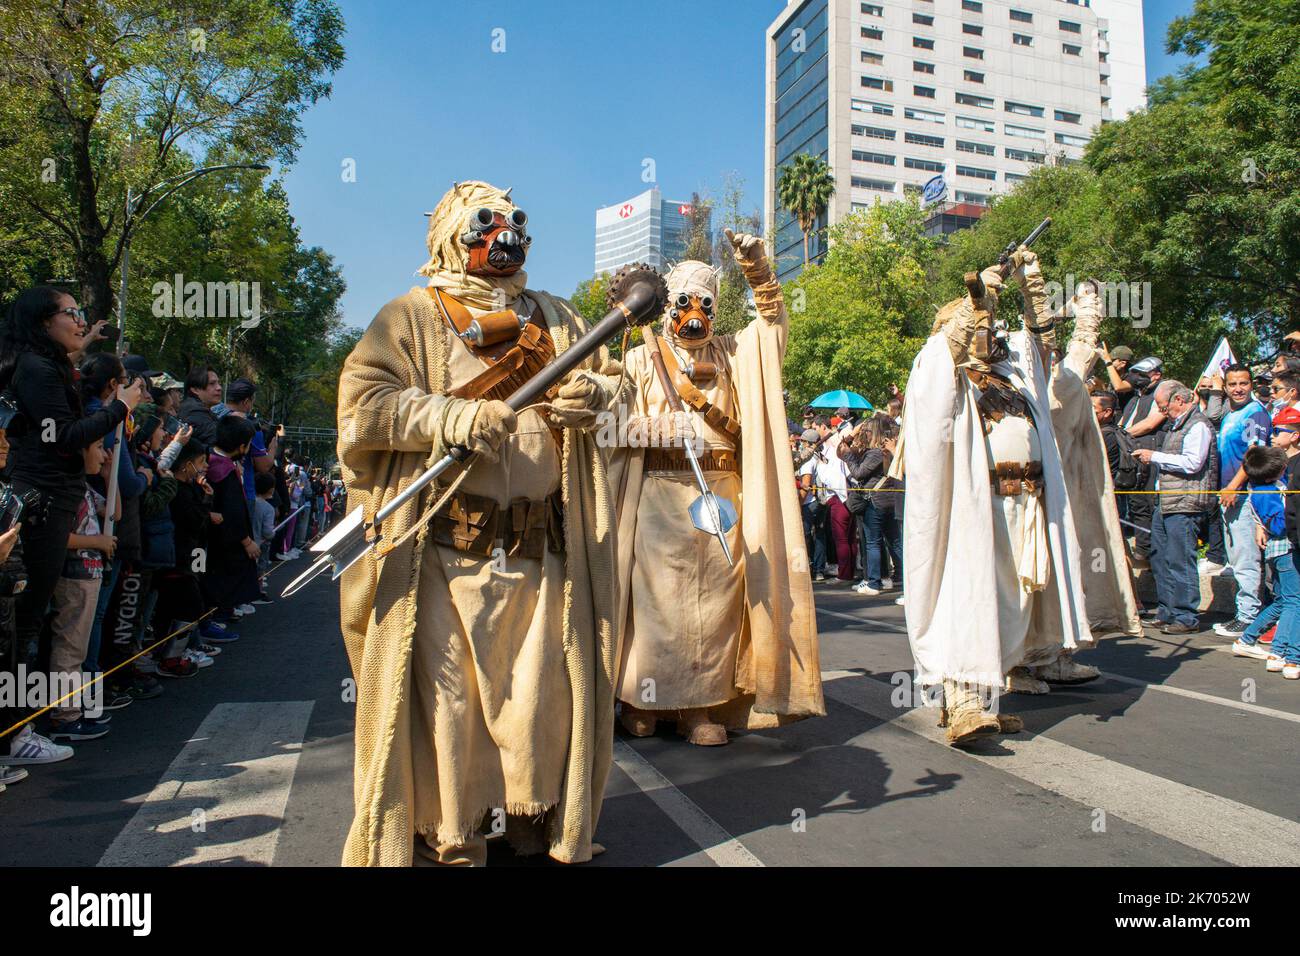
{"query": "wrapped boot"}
pixel 1064 670
pixel 967 718
pixel 638 723
pixel 1021 681
pixel 698 728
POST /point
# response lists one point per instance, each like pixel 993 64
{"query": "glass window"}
pixel 975 53
pixel 880 185
pixel 923 43
pixel 929 165
pixel 872 33
pixel 925 91
pixel 880 159
pixel 970 76
pixel 1014 177
pixel 982 149
pixel 873 10
pixel 976 172
pixel 1063 117
pixel 968 99
pixel 924 116
pixel 970 122
pixel 875 58
pixel 923 18
pixel 1024 109
pixel 1070 49
pixel 1022 16
pixel 1025 131
pixel 919 67
pixel 866 106
pixel 1019 39
pixel 1069 26
pixel 874 132
pixel 1065 139
pixel 1025 156
pixel 876 83
pixel 920 139
pixel 976 199
pixel 974 29
pixel 972 5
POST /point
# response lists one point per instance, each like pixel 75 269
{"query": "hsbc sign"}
pixel 685 209
pixel 625 210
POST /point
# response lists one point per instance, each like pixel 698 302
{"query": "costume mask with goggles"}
pixel 497 242
pixel 692 297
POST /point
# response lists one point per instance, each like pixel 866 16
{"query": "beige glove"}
pixel 478 425
pixel 579 402
pixel 751 255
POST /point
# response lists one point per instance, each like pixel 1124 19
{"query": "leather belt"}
pixel 1013 477
pixel 674 459
pixel 524 528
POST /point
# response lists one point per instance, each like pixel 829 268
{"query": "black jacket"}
pixel 194 412
pixel 43 397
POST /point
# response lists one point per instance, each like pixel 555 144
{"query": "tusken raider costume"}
pixel 483 645
pixel 706 643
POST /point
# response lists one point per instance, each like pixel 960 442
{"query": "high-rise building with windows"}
pixel 645 228
pixel 892 93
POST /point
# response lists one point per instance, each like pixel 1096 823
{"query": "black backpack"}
pixel 1129 472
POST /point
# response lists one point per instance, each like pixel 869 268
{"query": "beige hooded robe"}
pixel 695 632
pixel 512 703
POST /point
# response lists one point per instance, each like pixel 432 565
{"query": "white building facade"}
pixel 892 93
pixel 645 228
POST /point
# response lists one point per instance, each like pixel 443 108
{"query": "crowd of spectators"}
pixel 852 509
pixel 115 579
pixel 1202 477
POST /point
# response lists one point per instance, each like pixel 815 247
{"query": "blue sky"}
pixel 581 95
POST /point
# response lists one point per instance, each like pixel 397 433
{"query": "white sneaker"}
pixel 1291 671
pixel 1241 649
pixel 886 584
pixel 899 600
pixel 30 747
pixel 862 587
pixel 246 609
pixel 1209 568
pixel 1274 664
pixel 10 775
pixel 198 658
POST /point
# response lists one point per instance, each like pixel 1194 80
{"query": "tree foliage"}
pixel 804 188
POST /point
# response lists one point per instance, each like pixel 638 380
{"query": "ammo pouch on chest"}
pixel 523 528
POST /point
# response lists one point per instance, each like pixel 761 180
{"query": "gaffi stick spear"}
pixel 642 295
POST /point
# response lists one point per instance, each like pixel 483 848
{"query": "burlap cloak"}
pixel 778 669
pixel 389 432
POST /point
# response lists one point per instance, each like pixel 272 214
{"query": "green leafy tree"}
pixel 96 96
pixel 804 188
pixel 858 319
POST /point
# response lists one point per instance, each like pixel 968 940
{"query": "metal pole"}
pixel 111 502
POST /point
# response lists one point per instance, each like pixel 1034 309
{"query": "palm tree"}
pixel 805 188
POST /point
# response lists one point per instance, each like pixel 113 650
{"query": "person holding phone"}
pixel 43 328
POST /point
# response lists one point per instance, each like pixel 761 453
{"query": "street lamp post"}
pixel 132 204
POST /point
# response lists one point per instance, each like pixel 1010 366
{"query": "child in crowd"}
pixel 1265 466
pixel 264 520
pixel 75 597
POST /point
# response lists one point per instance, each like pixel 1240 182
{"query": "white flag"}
pixel 1220 360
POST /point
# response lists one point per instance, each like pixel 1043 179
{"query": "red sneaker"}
pixel 177 667
pixel 1267 636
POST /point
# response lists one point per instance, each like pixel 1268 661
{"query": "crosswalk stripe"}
pixel 1222 828
pixel 1110 675
pixel 719 845
pixel 222 800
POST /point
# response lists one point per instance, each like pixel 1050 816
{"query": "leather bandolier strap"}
pixel 693 397
pixel 523 528
pixel 509 363
pixel 674 459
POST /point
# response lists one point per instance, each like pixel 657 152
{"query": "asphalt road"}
pixel 1161 762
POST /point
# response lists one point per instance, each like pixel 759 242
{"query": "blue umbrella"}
pixel 841 399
